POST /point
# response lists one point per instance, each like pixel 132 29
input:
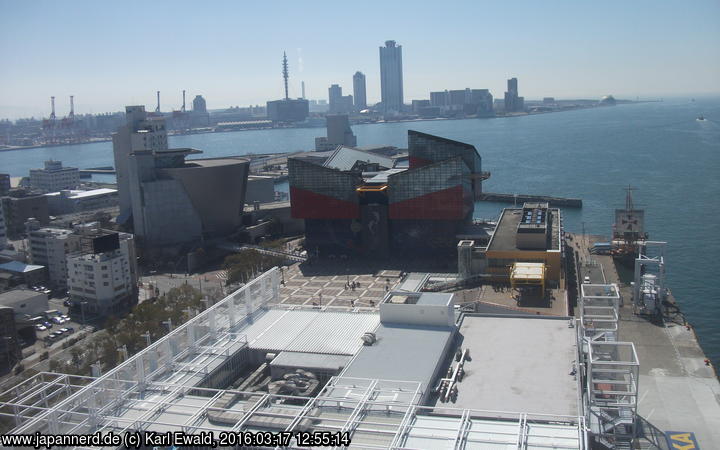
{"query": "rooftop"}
pixel 519 363
pixel 344 158
pixel 92 193
pixel 165 387
pixel 403 352
pixel 17 295
pixel 19 267
pixel 504 238
pixel 215 162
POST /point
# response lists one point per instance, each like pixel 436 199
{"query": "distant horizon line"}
pixel 589 97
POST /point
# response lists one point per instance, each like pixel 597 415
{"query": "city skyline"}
pixel 567 51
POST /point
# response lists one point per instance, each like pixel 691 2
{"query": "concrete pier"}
pixel 678 392
pixel 522 198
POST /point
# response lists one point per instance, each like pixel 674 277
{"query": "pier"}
pixel 522 198
pixel 104 169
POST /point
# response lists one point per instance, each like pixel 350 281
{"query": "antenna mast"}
pixel 285 75
pixel 157 108
pixel 628 199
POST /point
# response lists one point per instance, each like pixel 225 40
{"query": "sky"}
pixel 109 54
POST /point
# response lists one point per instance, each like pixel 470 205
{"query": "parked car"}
pixel 586 280
pixel 57 319
pixel 67 330
pixel 57 334
pixel 47 324
pixel 40 327
pixel 65 317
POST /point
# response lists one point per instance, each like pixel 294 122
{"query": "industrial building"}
pixel 71 201
pixel 412 375
pixel 54 177
pixel 356 201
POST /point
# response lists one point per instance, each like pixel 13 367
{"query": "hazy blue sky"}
pixel 109 54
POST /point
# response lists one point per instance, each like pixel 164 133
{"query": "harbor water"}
pixel 672 159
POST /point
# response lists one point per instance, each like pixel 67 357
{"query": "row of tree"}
pixel 151 317
pixel 243 267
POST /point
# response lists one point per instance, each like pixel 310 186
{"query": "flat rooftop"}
pixel 403 352
pixel 504 238
pixel 215 162
pixel 519 363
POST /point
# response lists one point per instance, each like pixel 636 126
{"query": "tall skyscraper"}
pixel 513 103
pixel 391 77
pixel 334 95
pixel 359 91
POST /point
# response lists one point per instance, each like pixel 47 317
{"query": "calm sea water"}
pixel 659 148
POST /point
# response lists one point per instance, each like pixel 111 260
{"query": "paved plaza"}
pixel 336 290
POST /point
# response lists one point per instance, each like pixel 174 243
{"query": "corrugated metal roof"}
pixel 311 331
pixel 335 332
pixel 344 158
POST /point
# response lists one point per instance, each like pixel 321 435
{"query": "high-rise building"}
pixel 440 99
pixel 339 104
pixel 54 177
pixel 334 95
pixel 140 133
pixel 391 77
pixel 359 91
pixel 199 104
pixel 513 103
